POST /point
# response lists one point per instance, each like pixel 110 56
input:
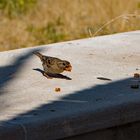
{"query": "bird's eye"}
pixel 64 64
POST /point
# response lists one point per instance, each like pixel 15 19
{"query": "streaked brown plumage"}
pixel 53 65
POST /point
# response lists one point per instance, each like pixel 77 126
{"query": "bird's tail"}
pixel 38 54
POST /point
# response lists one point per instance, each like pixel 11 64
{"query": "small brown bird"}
pixel 53 65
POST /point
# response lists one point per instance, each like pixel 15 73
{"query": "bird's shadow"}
pixel 59 76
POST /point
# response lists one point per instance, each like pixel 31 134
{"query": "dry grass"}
pixel 58 20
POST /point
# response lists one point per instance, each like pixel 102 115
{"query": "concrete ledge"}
pixel 129 131
pixel 32 110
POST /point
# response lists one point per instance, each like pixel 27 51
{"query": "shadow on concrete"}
pixel 47 118
pixel 8 73
pixel 58 76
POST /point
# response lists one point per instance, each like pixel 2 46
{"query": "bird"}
pixel 53 65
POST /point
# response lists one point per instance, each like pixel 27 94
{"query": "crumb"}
pixel 68 68
pixel 136 75
pixel 57 89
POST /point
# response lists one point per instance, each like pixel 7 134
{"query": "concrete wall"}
pixel 87 105
pixel 129 131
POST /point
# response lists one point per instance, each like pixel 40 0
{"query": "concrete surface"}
pixel 30 109
pixel 130 131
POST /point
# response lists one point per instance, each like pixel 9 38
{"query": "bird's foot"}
pixel 46 75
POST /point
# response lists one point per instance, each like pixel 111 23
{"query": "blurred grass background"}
pixel 26 23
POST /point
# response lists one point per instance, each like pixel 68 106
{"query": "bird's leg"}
pixel 46 75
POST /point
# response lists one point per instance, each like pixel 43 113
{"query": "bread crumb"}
pixel 57 89
pixel 136 75
pixel 68 68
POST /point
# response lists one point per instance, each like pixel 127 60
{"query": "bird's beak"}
pixel 68 68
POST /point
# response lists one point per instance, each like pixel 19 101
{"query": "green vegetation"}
pixel 52 32
pixel 26 23
pixel 16 7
